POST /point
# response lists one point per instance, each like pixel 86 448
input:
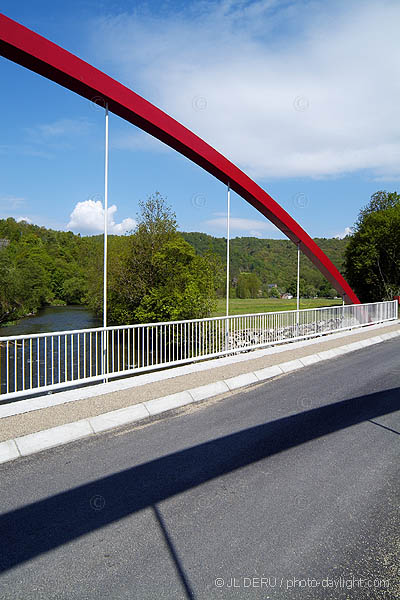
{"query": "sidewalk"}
pixel 220 376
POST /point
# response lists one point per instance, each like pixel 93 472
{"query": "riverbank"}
pixel 16 320
pixel 52 318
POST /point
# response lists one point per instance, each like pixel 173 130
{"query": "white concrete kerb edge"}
pixel 64 434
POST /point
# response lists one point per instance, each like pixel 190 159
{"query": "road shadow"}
pixel 42 526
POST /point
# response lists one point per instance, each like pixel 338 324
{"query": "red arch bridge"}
pixel 30 364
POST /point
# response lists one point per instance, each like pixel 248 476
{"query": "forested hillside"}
pixel 40 266
pixel 273 261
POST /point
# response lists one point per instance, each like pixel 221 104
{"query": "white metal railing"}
pixel 33 364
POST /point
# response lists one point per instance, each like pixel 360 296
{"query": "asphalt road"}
pixel 288 490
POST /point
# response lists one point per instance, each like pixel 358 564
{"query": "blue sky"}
pixel 302 95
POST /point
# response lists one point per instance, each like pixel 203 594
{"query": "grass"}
pixel 237 306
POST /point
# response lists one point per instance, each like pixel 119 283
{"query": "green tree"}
pixel 326 290
pixel 156 226
pixel 248 285
pixel 381 200
pixel 74 290
pixel 117 291
pixel 184 288
pixel 372 259
pixel 154 275
pixel 37 266
pixel 32 276
pixel 274 293
pixel 309 291
pixel 8 300
pixel 292 288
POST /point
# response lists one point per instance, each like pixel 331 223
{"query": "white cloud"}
pixel 347 231
pixel 252 226
pixel 10 205
pixel 284 89
pixel 137 140
pixel 60 128
pixel 88 217
pixel 23 150
pixel 11 202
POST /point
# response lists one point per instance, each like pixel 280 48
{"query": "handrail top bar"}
pixel 207 319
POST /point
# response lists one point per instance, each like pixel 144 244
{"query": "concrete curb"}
pixel 116 418
pixel 8 451
pixel 239 381
pixel 268 372
pixel 63 434
pixel 56 436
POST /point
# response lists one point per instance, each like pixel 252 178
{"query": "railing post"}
pixel 343 307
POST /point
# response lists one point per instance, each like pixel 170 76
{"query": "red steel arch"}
pixel 27 48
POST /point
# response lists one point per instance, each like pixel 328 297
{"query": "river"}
pixel 53 318
pixel 19 361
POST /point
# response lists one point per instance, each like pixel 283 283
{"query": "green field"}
pixel 237 306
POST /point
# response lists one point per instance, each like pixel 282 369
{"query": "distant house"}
pixel 286 296
pixel 272 285
pixel 4 243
